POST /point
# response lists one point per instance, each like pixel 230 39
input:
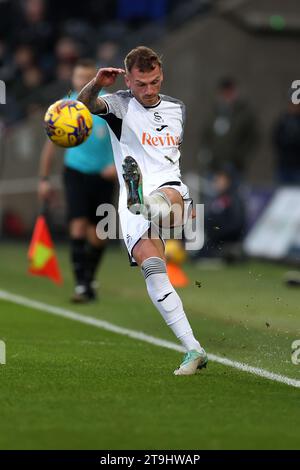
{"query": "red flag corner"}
pixel 41 253
pixel 177 276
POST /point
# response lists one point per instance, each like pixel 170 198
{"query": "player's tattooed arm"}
pixel 89 94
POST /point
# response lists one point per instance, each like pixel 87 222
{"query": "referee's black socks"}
pixel 93 259
pixel 85 260
pixel 79 260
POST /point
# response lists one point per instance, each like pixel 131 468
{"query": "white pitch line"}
pixel 61 312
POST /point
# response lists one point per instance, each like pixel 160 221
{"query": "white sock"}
pixel 167 301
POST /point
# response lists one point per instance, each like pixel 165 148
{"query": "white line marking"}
pixel 61 312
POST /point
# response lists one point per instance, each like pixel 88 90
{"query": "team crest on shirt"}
pixel 157 117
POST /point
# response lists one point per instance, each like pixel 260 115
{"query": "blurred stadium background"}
pixel 202 43
pixel 246 51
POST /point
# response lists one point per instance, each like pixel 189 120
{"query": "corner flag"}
pixel 41 254
pixel 176 275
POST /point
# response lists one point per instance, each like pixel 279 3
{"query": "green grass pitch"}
pixel 68 385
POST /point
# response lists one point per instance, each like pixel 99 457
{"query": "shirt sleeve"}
pixel 116 103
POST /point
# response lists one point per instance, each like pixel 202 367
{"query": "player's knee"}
pixel 158 206
pixel 148 248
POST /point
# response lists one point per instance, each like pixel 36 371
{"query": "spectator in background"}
pixel 24 57
pixel 61 83
pixel 39 46
pixel 230 132
pixel 82 32
pixel 286 140
pixel 28 91
pixel 225 216
pixel 67 53
pixel 32 26
pixel 67 50
pixel 108 52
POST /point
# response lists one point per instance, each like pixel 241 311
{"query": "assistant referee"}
pixel 89 176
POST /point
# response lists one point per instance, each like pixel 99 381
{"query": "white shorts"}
pixel 135 226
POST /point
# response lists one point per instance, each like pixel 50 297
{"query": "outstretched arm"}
pixel 45 189
pixel 89 94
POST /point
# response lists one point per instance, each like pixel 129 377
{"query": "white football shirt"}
pixel 151 135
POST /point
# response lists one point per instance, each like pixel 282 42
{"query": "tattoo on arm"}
pixel 89 96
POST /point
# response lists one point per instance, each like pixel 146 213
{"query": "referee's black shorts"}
pixel 84 193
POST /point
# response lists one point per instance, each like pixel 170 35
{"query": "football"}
pixel 68 123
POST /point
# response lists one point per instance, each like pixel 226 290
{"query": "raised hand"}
pixel 89 94
pixel 107 76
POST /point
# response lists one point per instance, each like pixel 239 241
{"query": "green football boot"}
pixel 192 361
pixel 133 180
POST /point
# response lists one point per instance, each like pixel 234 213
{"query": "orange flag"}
pixel 41 254
pixel 176 275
